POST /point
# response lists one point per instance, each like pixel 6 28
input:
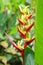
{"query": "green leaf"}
pixel 17 36
pixel 4 44
pixel 29 59
pixel 3 59
pixel 1 37
pixel 39 33
pixel 1 5
pixel 10 50
pixel 13 30
pixel 28 50
pixel 29 56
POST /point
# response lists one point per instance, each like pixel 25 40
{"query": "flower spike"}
pixel 23 33
pixel 28 17
pixel 22 12
pixel 29 26
pixel 28 42
pixel 21 22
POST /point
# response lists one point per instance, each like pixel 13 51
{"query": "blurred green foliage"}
pixel 9 10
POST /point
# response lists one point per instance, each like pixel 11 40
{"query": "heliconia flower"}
pixel 23 33
pixel 20 47
pixel 27 42
pixel 28 17
pixel 21 22
pixel 22 12
pixel 29 26
pixel 26 39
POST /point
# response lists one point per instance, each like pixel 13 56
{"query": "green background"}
pixel 39 33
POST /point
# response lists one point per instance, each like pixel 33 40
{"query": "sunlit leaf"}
pixel 10 50
pixel 4 44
